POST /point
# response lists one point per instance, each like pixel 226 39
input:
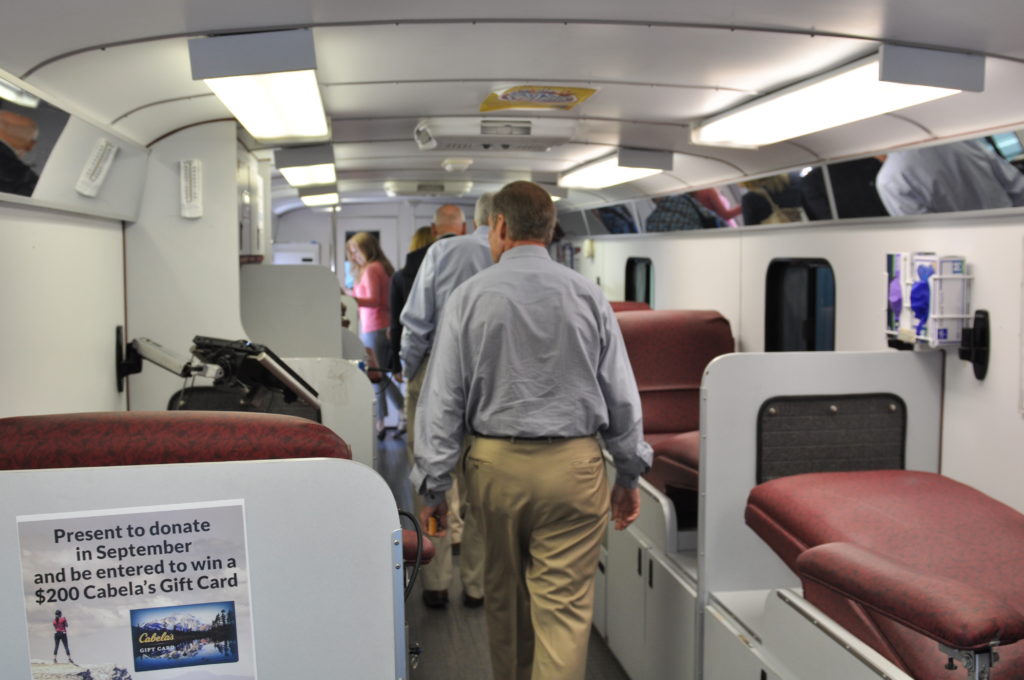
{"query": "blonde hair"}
pixel 773 185
pixel 422 238
pixel 368 245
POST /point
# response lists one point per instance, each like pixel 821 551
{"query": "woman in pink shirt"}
pixel 372 272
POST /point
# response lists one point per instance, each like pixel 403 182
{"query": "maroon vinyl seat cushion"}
pixel 158 437
pixel 155 437
pixel 676 460
pixel 669 350
pixel 938 557
pixel 628 306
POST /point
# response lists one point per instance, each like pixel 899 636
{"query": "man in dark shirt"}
pixel 853 186
pixel 401 284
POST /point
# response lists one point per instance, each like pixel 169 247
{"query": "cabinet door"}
pixel 670 641
pixel 624 613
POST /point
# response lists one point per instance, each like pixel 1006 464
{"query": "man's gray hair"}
pixel 528 210
pixel 484 212
pixel 449 215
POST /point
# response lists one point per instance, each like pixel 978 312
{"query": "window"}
pixel 800 307
pixel 639 279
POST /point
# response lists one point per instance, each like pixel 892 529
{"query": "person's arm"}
pixel 623 437
pixel 718 205
pixel 1009 177
pixel 440 413
pixel 898 194
pixel 418 317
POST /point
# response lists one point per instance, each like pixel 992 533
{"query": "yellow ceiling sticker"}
pixel 536 97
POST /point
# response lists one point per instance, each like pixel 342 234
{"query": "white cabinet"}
pixel 625 597
pixel 670 621
pixel 650 613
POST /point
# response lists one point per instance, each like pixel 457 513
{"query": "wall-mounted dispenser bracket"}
pixel 974 344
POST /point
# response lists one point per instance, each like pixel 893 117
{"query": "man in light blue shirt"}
pixel 447 263
pixel 530 360
pixel 952 177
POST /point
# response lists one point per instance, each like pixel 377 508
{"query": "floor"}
pixel 454 640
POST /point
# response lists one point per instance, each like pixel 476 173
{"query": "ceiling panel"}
pixel 119 80
pixel 1000 106
pixel 154 122
pixel 402 155
pixel 382 77
pixel 618 102
pixel 749 62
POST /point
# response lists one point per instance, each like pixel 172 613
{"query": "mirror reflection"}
pixel 976 174
pixel 29 128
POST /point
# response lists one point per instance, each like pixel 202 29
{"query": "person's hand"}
pixel 437 512
pixel 347 291
pixel 397 376
pixel 625 506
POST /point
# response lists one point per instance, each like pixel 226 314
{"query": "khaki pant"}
pixel 438 574
pixel 544 509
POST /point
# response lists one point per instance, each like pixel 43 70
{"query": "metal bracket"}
pixel 127 360
pixel 978 664
pixel 974 344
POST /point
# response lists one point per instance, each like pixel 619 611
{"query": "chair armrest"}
pixel 950 612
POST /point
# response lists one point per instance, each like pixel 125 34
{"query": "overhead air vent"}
pixel 410 188
pixel 493 134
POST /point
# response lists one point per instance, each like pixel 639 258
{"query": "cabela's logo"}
pixel 155 637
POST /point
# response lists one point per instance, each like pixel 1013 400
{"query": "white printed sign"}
pixel 157 593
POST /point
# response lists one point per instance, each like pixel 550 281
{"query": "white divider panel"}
pixel 346 398
pixel 732 556
pixel 295 310
pixel 352 347
pixel 325 599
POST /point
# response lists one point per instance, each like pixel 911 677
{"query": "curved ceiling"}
pixel 658 66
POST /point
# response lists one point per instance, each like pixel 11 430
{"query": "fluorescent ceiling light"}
pixel 13 93
pixel 266 80
pixel 602 173
pixel 853 92
pixel 274 105
pixel 307 175
pixel 305 166
pixel 317 200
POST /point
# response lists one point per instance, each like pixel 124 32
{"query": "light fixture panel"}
pixel 645 158
pixel 309 175
pixel 266 80
pixel 851 93
pixel 246 54
pixel 602 173
pixel 320 200
pixel 936 68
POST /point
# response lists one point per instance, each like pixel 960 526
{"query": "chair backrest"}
pixel 146 438
pixel 669 350
pixel 628 305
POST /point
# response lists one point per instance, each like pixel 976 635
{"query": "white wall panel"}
pixel 982 425
pixel 181 274
pixel 63 296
